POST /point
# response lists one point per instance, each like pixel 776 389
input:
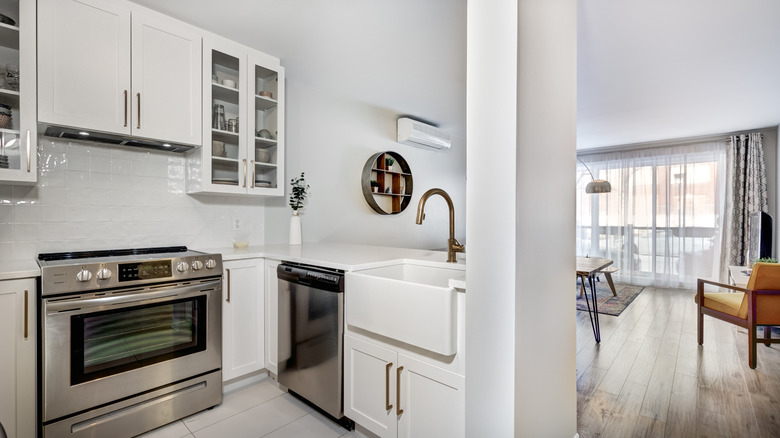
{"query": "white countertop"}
pixel 349 257
pixel 19 269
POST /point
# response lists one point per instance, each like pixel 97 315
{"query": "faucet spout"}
pixel 453 246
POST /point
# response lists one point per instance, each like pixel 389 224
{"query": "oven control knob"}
pixel 182 267
pixel 104 274
pixel 84 275
pixel 211 264
pixel 197 265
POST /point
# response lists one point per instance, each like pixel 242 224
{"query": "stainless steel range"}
pixel 130 339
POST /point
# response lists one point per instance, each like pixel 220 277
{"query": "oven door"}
pixel 109 345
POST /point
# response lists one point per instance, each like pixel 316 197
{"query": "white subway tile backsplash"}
pixel 92 196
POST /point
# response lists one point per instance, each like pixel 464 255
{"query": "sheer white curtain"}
pixel 661 224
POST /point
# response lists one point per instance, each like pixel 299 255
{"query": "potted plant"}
pixel 298 193
pixel 374 186
pixel 389 162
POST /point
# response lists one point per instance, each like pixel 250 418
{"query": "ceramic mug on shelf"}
pixel 228 83
pixel 262 155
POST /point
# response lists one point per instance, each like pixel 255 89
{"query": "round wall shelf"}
pixel 392 188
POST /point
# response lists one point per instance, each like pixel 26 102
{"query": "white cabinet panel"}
pixel 243 328
pixel 432 399
pixel 17 363
pixel 370 386
pixel 272 316
pixel 166 80
pixel 84 64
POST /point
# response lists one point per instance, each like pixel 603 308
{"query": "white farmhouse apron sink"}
pixel 412 303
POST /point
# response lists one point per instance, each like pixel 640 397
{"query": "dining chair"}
pixel 757 304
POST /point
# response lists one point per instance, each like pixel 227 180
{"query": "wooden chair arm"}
pixel 702 282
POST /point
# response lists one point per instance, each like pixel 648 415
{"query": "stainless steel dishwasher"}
pixel 311 336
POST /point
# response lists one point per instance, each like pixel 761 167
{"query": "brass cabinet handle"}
pixel 388 406
pixel 28 151
pixel 244 172
pixel 26 321
pixel 125 108
pixel 139 110
pixel 253 173
pixel 228 286
pixel 398 410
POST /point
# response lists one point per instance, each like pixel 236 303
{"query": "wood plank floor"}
pixel 649 377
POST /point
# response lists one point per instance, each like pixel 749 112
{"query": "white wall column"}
pixel 491 119
pixel 545 315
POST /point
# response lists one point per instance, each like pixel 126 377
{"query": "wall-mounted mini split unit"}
pixel 422 135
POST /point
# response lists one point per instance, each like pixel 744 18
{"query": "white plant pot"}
pixel 295 229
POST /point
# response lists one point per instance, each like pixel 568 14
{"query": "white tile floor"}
pixel 258 410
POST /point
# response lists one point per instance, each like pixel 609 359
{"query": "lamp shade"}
pixel 598 186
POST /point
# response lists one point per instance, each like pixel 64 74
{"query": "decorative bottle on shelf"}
pixel 218 119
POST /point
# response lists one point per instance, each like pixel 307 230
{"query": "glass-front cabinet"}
pixel 18 132
pixel 243 119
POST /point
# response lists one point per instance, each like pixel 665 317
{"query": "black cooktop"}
pixel 109 253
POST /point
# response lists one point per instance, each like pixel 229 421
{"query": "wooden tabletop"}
pixel 590 265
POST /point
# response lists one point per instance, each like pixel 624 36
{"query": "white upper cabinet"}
pixel 18 132
pixel 243 123
pixel 166 80
pixel 114 67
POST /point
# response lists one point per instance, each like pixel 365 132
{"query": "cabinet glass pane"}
pixel 225 80
pixel 12 155
pixel 266 127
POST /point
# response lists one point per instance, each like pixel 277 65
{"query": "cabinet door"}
pixel 243 329
pixel 265 119
pixel 19 134
pixel 272 316
pixel 84 64
pixel 432 399
pixel 166 92
pixel 17 363
pixel 370 386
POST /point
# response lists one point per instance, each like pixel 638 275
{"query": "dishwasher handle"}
pixel 313 277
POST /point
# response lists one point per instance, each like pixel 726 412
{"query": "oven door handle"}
pixel 123 300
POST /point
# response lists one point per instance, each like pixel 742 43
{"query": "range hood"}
pixel 102 137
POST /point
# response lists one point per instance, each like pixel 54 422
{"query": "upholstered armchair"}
pixel 758 304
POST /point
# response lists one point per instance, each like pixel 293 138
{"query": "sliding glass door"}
pixel 661 223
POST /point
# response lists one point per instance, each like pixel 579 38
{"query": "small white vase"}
pixel 295 229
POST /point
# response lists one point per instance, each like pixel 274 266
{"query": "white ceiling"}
pixel 647 70
pixel 663 69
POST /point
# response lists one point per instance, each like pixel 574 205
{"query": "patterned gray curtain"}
pixel 746 193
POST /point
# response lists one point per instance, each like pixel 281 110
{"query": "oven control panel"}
pixel 77 277
pixel 145 270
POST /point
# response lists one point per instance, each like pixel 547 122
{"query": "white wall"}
pixel 330 138
pixel 92 196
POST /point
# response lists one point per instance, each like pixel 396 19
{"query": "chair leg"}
pixel 700 326
pixel 767 334
pixel 608 276
pixel 752 342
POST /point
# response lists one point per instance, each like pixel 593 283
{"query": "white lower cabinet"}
pixel 17 361
pixel 394 395
pixel 271 316
pixel 243 315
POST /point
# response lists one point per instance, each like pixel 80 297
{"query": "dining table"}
pixel 588 269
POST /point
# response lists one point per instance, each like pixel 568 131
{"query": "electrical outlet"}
pixel 236 224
